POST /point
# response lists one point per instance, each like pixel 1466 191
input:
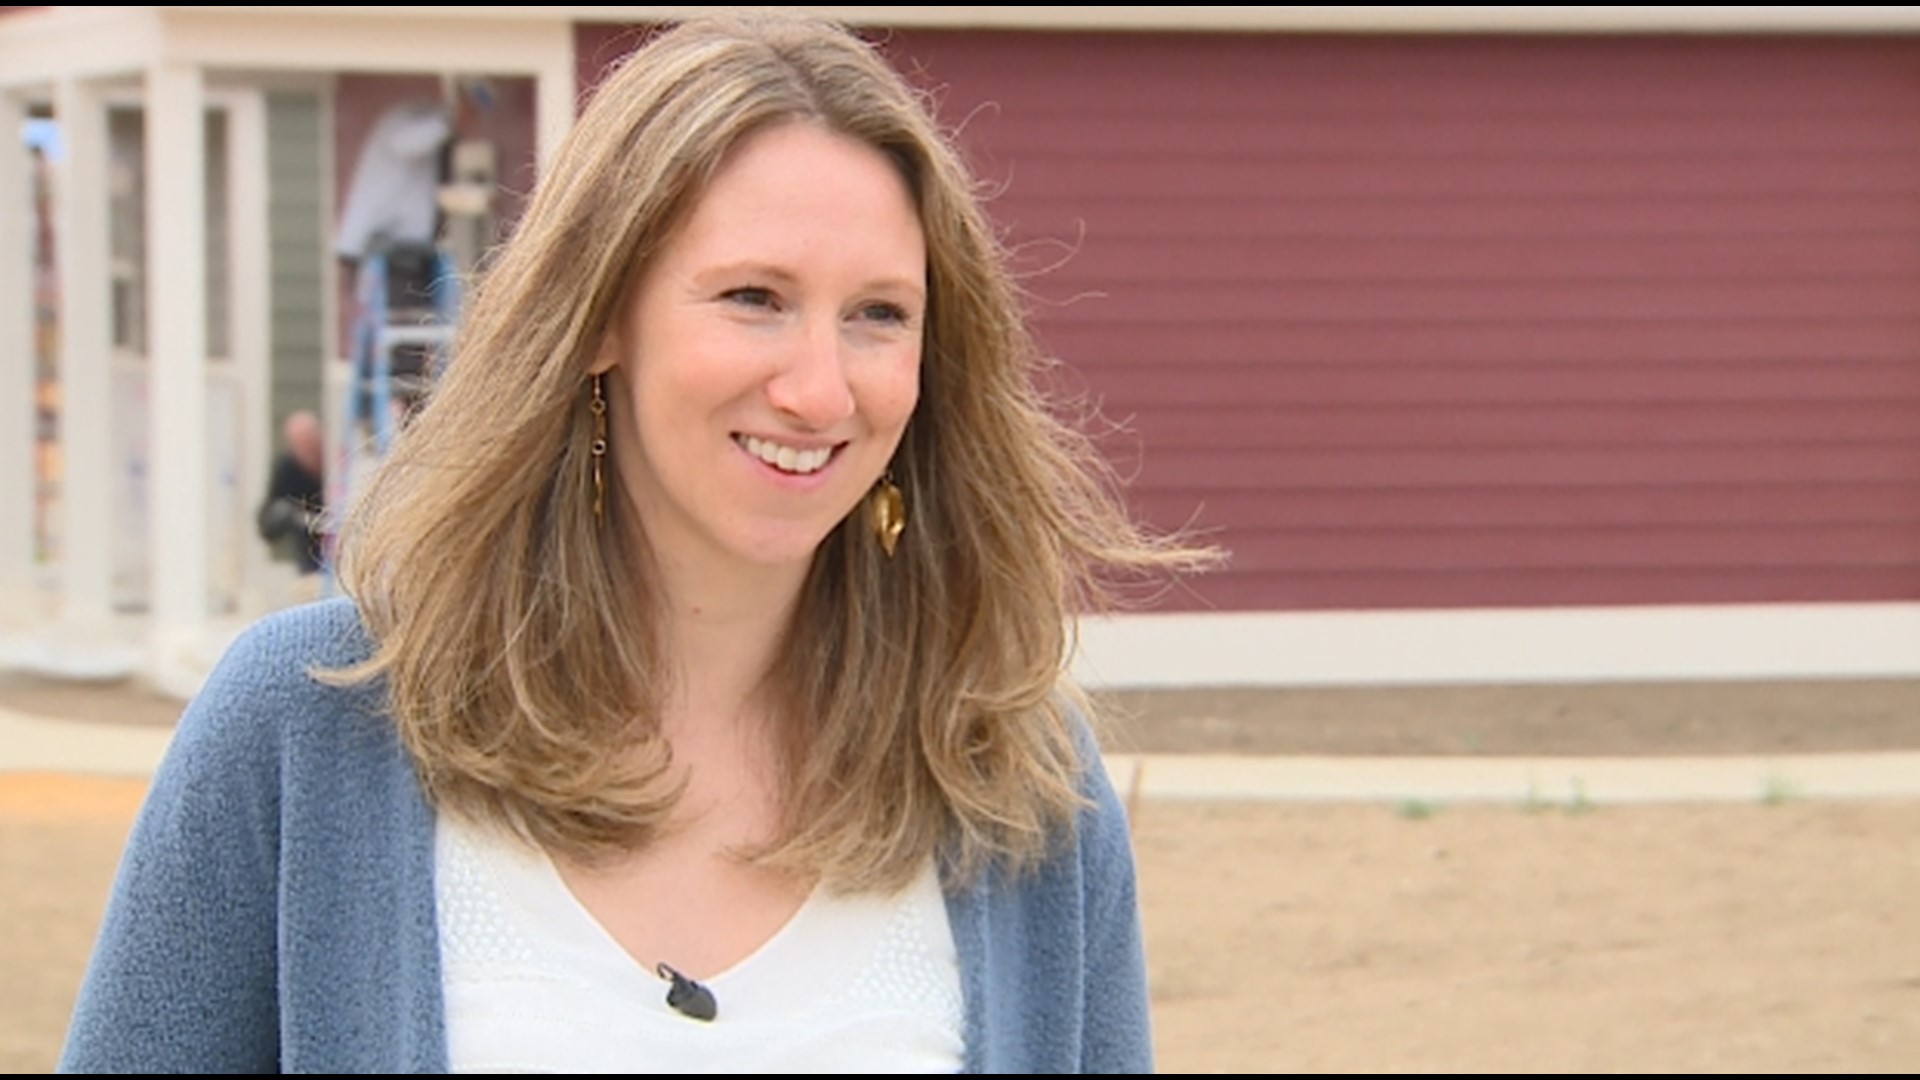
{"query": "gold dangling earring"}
pixel 887 513
pixel 598 406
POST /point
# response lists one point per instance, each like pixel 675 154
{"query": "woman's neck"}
pixel 723 632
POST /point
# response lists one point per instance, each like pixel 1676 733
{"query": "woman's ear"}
pixel 607 357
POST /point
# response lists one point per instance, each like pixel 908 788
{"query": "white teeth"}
pixel 786 458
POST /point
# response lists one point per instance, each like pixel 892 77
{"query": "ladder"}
pixel 407 303
pixel 407 300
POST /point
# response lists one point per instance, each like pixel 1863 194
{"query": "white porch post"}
pixel 87 515
pixel 555 92
pixel 177 395
pixel 18 602
pixel 250 337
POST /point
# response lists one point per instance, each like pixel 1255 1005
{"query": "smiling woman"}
pixel 700 700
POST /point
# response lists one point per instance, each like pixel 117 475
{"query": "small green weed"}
pixel 1778 790
pixel 1579 803
pixel 1417 809
pixel 1534 802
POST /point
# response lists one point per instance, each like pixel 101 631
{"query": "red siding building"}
pixel 1481 322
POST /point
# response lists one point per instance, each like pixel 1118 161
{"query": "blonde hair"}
pixel 922 697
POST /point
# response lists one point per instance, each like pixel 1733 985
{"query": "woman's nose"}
pixel 811 384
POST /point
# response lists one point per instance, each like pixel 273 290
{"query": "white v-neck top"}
pixel 534 983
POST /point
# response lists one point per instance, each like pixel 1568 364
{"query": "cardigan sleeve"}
pixel 183 975
pixel 1051 959
pixel 1117 1033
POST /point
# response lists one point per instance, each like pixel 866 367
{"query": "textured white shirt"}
pixel 533 983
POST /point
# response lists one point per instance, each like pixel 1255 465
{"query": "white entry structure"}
pixel 185 400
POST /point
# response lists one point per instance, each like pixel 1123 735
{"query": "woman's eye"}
pixel 886 313
pixel 750 296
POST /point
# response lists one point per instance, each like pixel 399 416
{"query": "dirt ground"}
pixel 1735 938
pixel 1622 719
pixel 1762 937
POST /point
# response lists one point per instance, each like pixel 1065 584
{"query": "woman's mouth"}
pixel 798 461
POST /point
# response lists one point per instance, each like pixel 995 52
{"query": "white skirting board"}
pixel 1501 646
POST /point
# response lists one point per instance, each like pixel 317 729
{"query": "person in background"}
pixel 291 514
pixel 699 697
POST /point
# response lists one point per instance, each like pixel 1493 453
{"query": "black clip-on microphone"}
pixel 687 997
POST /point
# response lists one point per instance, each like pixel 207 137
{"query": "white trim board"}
pixel 1359 18
pixel 1501 646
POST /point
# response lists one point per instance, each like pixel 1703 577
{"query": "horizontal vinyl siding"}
pixel 1570 585
pixel 1478 322
pixel 218 237
pixel 1514 506
pixel 299 236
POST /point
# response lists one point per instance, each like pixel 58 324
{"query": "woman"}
pixel 705 653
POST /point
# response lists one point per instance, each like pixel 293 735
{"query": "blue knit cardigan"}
pixel 274 907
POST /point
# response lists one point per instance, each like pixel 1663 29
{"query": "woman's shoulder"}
pixel 280 654
pixel 282 802
pixel 1102 834
pixel 1097 845
pixel 266 689
pixel 327 633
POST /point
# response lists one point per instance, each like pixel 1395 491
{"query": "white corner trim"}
pixel 420 40
pixel 1255 18
pixel 70 42
pixel 1546 645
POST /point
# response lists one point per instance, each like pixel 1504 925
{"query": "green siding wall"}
pixel 297 237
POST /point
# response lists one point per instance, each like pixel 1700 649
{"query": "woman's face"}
pixel 766 364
